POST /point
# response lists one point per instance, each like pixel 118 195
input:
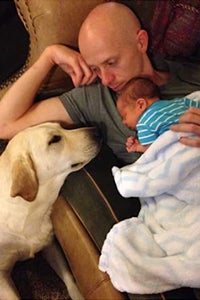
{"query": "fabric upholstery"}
pixel 175 28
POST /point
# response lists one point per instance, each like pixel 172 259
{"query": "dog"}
pixel 33 168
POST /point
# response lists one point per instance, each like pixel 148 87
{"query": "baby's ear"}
pixel 141 104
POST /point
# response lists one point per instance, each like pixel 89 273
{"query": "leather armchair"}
pixel 89 204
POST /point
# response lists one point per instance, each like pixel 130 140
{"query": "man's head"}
pixel 113 44
pixel 135 98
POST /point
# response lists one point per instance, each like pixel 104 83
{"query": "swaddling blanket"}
pixel 160 249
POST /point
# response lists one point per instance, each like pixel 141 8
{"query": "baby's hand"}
pixel 131 144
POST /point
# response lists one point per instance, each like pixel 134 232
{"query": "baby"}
pixel 141 109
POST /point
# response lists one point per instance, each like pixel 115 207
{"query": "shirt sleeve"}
pixel 146 135
pixel 81 103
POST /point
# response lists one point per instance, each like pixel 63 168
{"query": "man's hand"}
pixel 72 63
pixel 189 122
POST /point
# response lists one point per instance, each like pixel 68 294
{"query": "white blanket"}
pixel 160 249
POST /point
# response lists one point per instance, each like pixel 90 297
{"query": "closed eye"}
pixel 54 139
pixel 110 63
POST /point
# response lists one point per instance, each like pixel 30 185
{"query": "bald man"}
pixel 113 48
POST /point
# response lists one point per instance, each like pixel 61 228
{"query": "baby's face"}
pixel 128 113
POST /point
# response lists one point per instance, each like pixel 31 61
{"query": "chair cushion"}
pixel 93 195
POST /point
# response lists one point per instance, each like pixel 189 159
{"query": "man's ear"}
pixel 141 104
pixel 142 39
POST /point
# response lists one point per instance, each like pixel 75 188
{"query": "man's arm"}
pixel 17 107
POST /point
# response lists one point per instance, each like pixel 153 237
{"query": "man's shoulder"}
pixel 184 78
pixel 92 89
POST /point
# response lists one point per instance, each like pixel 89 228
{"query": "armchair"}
pixel 89 204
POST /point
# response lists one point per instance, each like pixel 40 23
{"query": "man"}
pixel 114 51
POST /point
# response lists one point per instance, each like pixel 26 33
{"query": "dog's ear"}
pixel 24 179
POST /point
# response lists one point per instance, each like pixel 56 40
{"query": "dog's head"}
pixel 48 152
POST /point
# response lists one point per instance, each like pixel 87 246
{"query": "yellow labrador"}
pixel 33 168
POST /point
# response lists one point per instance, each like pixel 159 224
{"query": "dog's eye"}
pixel 54 139
pixel 76 165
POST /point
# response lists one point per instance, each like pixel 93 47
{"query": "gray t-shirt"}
pixel 185 78
pixel 94 105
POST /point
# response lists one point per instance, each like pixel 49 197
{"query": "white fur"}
pixel 33 168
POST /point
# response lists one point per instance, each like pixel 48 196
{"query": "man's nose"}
pixel 106 77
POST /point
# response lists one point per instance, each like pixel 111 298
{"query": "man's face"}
pixel 114 62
